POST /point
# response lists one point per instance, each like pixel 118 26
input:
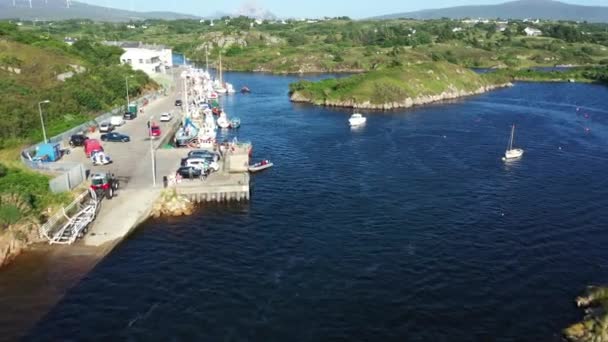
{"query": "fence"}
pixel 73 174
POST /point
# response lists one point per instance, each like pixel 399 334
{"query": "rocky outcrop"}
pixel 15 239
pixel 405 103
pixel 172 204
pixel 594 327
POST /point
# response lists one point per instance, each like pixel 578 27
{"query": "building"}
pixel 70 40
pixel 144 52
pixel 532 32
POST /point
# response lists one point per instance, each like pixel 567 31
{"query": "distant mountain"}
pixel 58 10
pixel 521 9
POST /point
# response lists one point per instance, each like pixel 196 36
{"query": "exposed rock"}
pixel 172 204
pixel 15 240
pixel 594 327
pixel 405 103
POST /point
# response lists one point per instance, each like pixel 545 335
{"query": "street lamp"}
pixel 41 119
pixel 127 88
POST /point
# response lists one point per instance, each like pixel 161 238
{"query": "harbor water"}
pixel 410 228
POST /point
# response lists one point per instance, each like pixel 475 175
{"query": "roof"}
pixel 139 53
pixel 136 45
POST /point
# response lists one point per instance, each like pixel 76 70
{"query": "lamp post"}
pixel 150 121
pixel 127 88
pixel 41 119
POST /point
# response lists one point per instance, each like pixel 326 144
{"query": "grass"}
pixel 392 84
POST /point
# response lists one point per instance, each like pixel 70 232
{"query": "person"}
pixel 190 173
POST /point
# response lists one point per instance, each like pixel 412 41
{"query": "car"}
pixel 178 103
pixel 115 136
pixel 155 131
pixel 129 115
pixel 202 163
pixel 190 172
pixel 78 140
pixel 213 156
pixel 106 127
pixel 165 117
pixel 117 120
pixel 104 184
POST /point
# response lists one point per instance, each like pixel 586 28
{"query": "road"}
pixel 133 167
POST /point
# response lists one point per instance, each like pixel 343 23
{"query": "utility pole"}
pixel 152 152
pixel 42 119
pixel 127 88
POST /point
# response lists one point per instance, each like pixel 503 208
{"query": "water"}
pixel 408 229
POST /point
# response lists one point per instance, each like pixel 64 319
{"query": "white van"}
pixel 117 120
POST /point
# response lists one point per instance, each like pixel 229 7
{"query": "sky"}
pixel 305 8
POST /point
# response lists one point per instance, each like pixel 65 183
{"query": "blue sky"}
pixel 302 8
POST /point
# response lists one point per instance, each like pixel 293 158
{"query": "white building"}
pixel 141 51
pixel 145 60
pixel 532 32
pixel 457 29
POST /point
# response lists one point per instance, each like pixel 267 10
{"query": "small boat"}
pixel 245 90
pixel 222 121
pixel 512 153
pixel 264 164
pixel 230 88
pixel 356 119
pixel 235 123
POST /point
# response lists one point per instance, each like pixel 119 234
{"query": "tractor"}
pixel 104 183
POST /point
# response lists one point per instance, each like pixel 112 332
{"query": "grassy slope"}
pixel 392 84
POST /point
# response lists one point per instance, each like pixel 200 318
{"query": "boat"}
pixel 356 119
pixel 512 153
pixel 186 133
pixel 245 90
pixel 223 121
pixel 264 164
pixel 230 88
pixel 235 123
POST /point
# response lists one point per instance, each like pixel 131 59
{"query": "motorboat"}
pixel 245 90
pixel 357 119
pixel 235 123
pixel 186 133
pixel 512 153
pixel 223 121
pixel 230 88
pixel 263 165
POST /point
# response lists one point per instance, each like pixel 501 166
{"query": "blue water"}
pixel 408 229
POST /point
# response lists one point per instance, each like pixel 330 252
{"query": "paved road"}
pixel 132 165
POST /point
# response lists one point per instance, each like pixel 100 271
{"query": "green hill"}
pixel 402 86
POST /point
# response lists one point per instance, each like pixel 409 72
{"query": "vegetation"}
pixel 393 84
pixel 594 326
pixel 29 66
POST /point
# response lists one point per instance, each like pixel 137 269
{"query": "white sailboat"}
pixel 512 153
pixel 223 121
pixel 219 84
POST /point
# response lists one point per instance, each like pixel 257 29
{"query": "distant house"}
pixel 144 57
pixel 501 27
pixel 69 40
pixel 147 61
pixel 532 32
pixel 259 21
pixel 457 29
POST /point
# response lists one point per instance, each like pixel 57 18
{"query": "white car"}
pixel 166 117
pixel 201 163
pixel 117 120
pixel 105 127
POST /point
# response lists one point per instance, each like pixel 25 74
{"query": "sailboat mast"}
pixel 221 80
pixel 512 135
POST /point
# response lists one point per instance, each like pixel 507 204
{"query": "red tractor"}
pixel 104 184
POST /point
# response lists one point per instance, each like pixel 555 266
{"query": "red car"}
pixel 155 131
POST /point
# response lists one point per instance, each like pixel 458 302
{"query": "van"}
pixel 117 120
pixel 91 145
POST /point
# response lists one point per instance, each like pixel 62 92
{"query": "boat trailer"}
pixel 65 227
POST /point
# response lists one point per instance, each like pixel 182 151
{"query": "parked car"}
pixel 92 145
pixel 178 103
pixel 78 140
pixel 129 115
pixel 165 117
pixel 155 131
pixel 115 136
pixel 116 121
pixel 106 127
pixel 190 172
pixel 204 154
pixel 203 163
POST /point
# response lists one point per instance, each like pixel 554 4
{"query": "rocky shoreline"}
pixel 406 103
pixel 15 240
pixel 172 204
pixel 594 327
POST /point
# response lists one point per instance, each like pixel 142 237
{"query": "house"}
pixel 532 32
pixel 164 53
pixel 457 29
pixel 145 60
pixel 502 27
pixel 69 40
